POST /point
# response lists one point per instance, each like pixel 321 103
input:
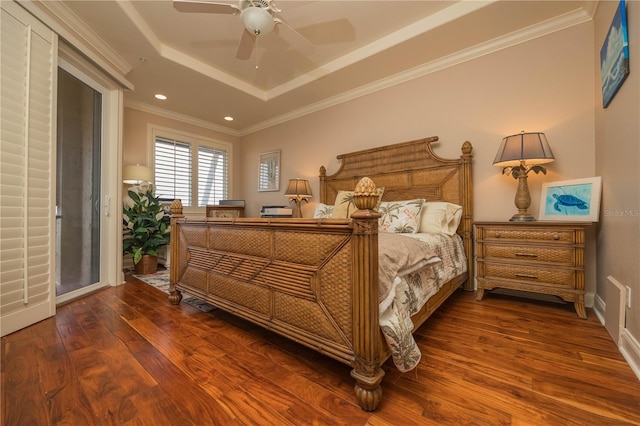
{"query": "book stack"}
pixel 276 211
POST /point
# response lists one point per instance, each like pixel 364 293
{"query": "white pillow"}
pixel 323 211
pixel 400 217
pixel 440 217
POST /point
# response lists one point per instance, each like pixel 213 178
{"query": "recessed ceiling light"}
pixel 160 96
pixel 228 118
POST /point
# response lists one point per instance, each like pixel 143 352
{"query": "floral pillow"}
pixel 323 211
pixel 400 217
pixel 345 204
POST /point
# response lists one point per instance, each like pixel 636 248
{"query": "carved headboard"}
pixel 409 170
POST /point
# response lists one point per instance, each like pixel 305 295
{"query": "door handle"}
pixel 107 205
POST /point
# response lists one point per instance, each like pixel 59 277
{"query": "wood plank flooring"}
pixel 124 356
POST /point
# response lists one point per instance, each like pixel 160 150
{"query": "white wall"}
pixel 617 148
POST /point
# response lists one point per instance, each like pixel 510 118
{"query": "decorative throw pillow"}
pixel 345 204
pixel 401 217
pixel 440 217
pixel 323 211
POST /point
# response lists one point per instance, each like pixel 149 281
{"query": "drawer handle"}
pixel 497 235
pixel 535 277
pixel 526 255
pixel 556 236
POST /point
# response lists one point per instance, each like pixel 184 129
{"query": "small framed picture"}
pixel 269 171
pixel 576 200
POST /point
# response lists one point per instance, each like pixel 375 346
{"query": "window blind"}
pixel 193 170
pixel 173 170
pixel 212 176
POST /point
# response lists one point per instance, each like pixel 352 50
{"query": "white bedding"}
pixel 412 290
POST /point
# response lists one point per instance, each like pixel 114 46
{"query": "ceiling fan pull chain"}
pixel 256 50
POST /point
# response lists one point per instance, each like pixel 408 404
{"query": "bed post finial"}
pixel 365 194
pixel 467 148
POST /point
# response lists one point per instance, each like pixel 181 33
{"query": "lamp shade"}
pixel 257 20
pixel 135 175
pixel 299 188
pixel 532 148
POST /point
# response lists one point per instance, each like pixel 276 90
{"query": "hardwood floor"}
pixel 124 356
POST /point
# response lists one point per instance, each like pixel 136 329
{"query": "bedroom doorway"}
pixel 78 185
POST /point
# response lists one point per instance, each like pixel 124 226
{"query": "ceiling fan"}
pixel 258 17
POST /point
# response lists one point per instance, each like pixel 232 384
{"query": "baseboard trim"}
pixel 629 346
pixel 599 307
pixel 630 349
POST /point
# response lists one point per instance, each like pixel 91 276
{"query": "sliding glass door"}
pixel 78 192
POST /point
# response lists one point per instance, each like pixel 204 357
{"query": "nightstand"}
pixel 538 257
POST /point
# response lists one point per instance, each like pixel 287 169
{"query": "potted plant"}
pixel 146 226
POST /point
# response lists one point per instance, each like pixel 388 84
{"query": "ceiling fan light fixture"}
pixel 257 20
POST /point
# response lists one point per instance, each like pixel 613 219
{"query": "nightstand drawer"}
pixel 551 254
pixel 565 278
pixel 566 236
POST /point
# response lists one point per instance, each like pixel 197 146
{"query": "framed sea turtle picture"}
pixel 576 200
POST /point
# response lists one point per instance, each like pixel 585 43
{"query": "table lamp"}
pixel 520 154
pixel 298 191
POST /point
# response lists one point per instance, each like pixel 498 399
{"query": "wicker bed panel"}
pixel 250 296
pixel 336 292
pixel 194 236
pixel 251 242
pixel 307 316
pixel 306 248
pixel 197 278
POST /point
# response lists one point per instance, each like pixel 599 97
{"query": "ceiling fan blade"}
pixel 247 42
pixel 294 38
pixel 205 7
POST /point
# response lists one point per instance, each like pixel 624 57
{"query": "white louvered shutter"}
pixel 193 170
pixel 213 171
pixel 27 155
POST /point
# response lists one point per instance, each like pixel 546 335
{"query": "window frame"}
pixel 196 141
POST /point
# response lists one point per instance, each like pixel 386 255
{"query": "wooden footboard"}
pixel 312 281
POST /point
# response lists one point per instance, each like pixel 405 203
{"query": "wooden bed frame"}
pixel 315 281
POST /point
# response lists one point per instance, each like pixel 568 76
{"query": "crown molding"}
pixel 176 56
pixel 544 28
pixel 214 73
pixel 183 118
pixel 57 16
pixel 424 25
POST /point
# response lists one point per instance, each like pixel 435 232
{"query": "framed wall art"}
pixel 576 200
pixel 269 171
pixel 614 56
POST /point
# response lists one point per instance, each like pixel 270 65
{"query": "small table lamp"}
pixel 520 154
pixel 298 190
pixel 136 175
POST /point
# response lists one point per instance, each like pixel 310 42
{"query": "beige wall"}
pixel 543 85
pixel 137 141
pixel 617 148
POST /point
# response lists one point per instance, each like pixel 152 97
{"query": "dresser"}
pixel 538 257
pixel 220 211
